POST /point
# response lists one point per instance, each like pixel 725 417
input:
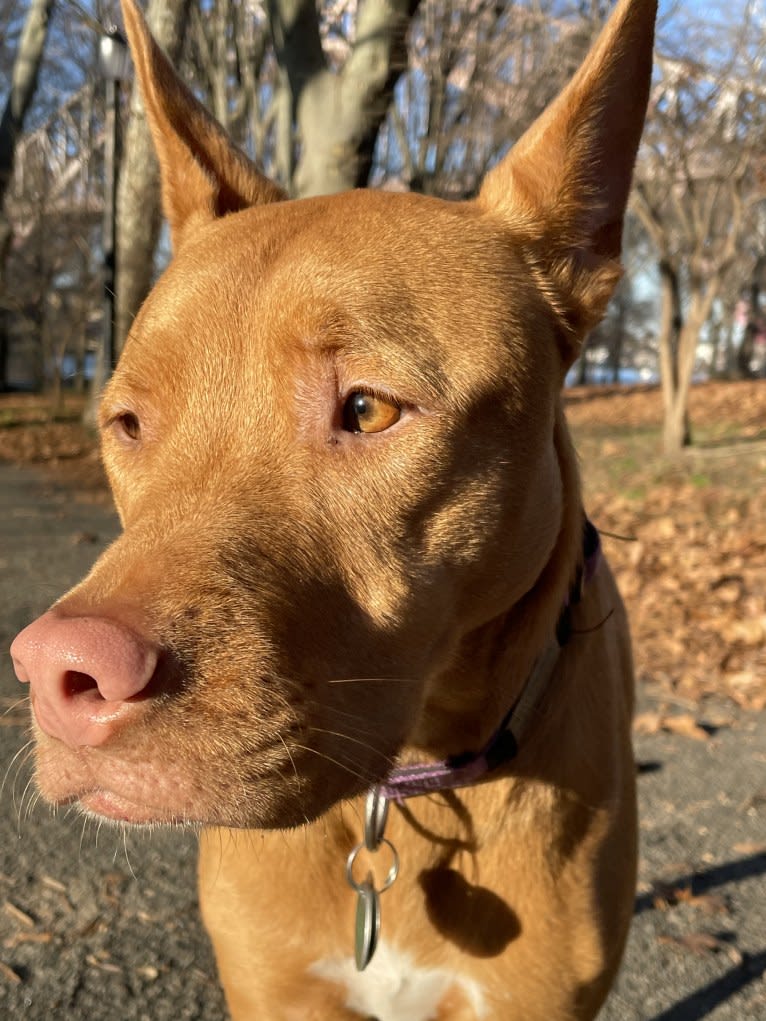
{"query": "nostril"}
pixel 81 686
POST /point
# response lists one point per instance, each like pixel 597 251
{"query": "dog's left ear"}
pixel 204 175
pixel 563 188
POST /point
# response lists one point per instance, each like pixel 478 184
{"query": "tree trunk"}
pixel 679 338
pixel 671 321
pixel 26 68
pixel 138 195
pixel 752 327
pixel 338 115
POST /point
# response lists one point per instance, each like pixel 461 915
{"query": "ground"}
pixel 97 926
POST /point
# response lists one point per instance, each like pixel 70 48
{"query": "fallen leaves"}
pixel 19 916
pixel 7 973
pixel 681 723
pixel 750 847
pixel 702 943
pixel 101 960
pixel 665 897
pixel 694 582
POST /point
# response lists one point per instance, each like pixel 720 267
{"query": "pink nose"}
pixel 85 675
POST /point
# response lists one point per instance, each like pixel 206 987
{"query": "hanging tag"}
pixel 367 923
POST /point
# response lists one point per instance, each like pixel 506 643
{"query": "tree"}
pixel 24 78
pixel 423 94
pixel 697 184
pixel 337 111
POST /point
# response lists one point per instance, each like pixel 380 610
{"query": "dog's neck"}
pixel 493 662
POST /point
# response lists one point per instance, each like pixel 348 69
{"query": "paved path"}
pixel 98 927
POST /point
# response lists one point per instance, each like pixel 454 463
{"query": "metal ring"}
pixel 375 816
pixel 393 872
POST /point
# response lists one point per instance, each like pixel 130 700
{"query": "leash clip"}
pixel 367 926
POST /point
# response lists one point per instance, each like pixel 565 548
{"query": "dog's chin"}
pixel 104 805
pixel 140 792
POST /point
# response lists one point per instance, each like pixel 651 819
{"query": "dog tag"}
pixel 367 923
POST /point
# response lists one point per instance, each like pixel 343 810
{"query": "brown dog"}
pixel 352 537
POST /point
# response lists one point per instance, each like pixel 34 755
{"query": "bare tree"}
pixel 24 77
pixel 338 111
pixel 479 73
pixel 697 184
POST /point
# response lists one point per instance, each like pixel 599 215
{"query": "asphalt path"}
pixel 96 925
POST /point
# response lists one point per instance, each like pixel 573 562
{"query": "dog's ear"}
pixel 563 188
pixel 204 175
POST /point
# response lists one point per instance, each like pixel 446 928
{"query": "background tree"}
pixel 418 94
pixel 24 78
pixel 456 82
pixel 697 188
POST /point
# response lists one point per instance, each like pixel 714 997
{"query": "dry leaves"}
pixel 750 847
pixel 702 943
pixel 9 975
pixel 19 916
pixel 695 580
pixel 681 723
pixel 665 897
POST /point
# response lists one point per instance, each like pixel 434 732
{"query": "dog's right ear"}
pixel 563 187
pixel 204 175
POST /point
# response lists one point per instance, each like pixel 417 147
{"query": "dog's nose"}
pixel 85 675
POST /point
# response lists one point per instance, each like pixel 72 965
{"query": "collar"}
pixel 463 770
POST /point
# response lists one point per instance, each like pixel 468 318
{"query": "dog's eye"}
pixel 365 412
pixel 128 425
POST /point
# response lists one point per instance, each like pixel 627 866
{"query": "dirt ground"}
pixel 96 925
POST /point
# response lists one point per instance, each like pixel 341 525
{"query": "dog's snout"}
pixel 85 675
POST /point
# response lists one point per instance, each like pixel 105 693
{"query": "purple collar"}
pixel 463 770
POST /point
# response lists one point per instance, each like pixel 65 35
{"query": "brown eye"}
pixel 369 413
pixel 128 424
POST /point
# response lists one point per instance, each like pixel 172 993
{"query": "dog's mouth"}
pixel 133 791
pixel 149 781
pixel 105 804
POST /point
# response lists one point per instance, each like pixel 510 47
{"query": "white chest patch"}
pixel 392 988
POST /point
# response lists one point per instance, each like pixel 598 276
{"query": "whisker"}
pixel 297 777
pixel 15 800
pixel 15 705
pixel 337 762
pixel 32 804
pixel 125 849
pixel 20 812
pixel 24 754
pixel 353 740
pixel 355 718
pixel 374 680
pixel 290 757
pixel 82 834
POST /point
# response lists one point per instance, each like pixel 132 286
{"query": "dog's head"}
pixel 335 445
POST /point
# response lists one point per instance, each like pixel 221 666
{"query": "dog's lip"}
pixel 106 804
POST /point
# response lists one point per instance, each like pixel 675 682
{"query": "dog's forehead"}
pixel 431 287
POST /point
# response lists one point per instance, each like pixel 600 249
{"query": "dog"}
pixel 357 627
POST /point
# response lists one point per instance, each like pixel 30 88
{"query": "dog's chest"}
pixel 392 987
